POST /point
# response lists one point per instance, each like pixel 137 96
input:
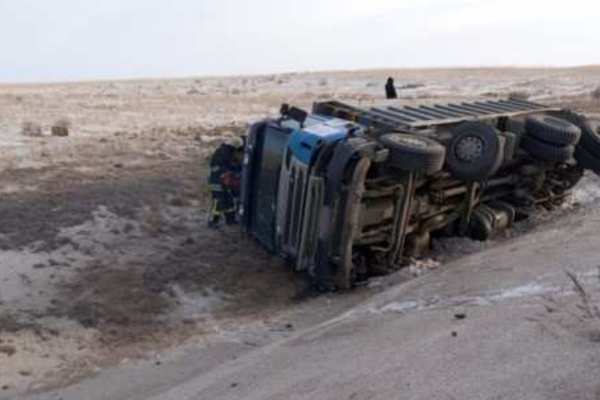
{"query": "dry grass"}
pixel 31 129
pixel 63 123
pixel 587 304
pixel 588 308
pixel 581 317
pixel 61 127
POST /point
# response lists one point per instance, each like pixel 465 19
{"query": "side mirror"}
pixel 293 113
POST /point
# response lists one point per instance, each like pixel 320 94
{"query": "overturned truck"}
pixel 345 193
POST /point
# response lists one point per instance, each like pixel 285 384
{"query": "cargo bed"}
pixel 410 118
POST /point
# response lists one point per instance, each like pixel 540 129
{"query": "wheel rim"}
pixel 470 149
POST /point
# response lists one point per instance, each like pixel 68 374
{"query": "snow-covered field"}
pixel 151 118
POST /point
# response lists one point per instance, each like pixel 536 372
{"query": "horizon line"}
pixel 292 72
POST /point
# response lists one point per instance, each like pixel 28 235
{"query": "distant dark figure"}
pixel 390 89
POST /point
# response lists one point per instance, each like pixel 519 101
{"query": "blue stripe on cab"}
pixel 305 143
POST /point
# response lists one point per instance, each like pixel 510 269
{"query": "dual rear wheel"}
pixel 551 139
pixel 587 151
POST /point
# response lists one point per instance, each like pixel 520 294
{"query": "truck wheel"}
pixel 590 131
pixel 586 160
pixel 590 139
pixel 552 130
pixel 414 153
pixel 546 152
pixel 475 152
pixel 481 226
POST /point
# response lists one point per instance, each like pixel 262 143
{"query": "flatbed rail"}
pixel 409 117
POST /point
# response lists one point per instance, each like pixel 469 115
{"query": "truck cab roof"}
pixel 317 130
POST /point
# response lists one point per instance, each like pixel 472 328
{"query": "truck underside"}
pixel 345 193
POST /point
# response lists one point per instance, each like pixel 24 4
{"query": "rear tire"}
pixel 552 130
pixel 586 160
pixel 414 153
pixel 590 139
pixel 590 131
pixel 546 152
pixel 475 152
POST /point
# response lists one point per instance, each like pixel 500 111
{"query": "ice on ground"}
pixel 21 276
pixel 531 289
pixel 587 191
pixel 486 298
pixel 401 307
pixel 193 305
pixel 101 233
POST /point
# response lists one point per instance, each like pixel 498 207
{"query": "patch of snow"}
pixel 194 305
pixel 99 233
pixel 531 289
pixel 588 191
pixel 484 299
pixel 19 280
pixel 401 307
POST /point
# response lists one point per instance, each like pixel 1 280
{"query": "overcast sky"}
pixel 56 40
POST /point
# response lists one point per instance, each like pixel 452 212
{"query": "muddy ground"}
pixel 105 255
pixel 107 268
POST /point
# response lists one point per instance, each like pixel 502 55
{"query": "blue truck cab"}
pixel 282 186
pixel 344 193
